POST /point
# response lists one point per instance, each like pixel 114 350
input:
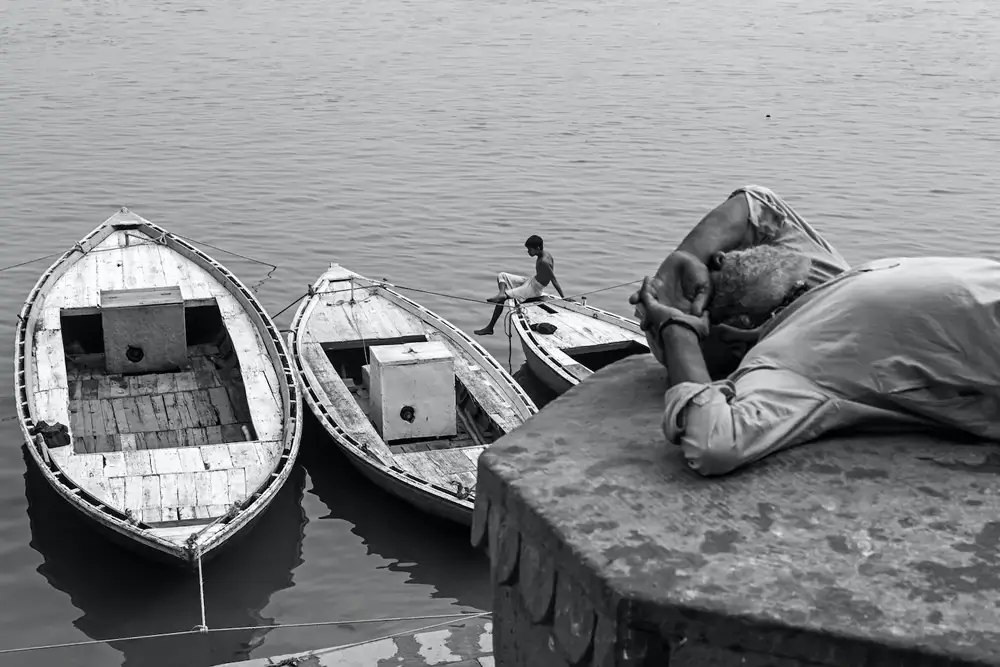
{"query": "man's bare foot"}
pixel 497 299
pixel 485 331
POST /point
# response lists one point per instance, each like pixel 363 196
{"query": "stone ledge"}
pixel 606 550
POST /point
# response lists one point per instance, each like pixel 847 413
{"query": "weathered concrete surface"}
pixel 605 548
pixel 468 642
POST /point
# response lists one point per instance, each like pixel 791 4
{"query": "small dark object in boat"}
pixel 55 435
pixel 134 354
pixel 543 327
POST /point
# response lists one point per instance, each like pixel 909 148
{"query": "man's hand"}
pixel 656 312
pixel 682 282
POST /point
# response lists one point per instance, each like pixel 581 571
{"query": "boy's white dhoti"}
pixel 519 287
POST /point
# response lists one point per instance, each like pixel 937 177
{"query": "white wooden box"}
pixel 413 390
pixel 144 330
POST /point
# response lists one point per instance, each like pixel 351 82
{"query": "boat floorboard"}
pixel 194 407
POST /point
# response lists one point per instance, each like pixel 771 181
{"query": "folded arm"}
pixel 726 425
pixel 685 270
pixel 723 229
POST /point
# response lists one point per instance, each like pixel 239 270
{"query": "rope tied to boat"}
pixel 30 261
pixel 201 597
pixel 462 491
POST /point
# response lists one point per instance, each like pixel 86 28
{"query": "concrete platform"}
pixel 467 642
pixel 606 550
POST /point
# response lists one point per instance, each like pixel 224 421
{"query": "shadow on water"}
pixel 122 594
pixel 431 551
pixel 534 387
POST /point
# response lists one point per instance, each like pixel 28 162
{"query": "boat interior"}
pixel 586 340
pixel 201 402
pixel 474 426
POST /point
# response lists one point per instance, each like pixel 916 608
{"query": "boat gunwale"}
pixel 358 453
pixel 96 509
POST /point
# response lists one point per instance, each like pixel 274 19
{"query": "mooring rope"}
pixel 387 284
pixel 31 261
pixel 228 252
pixel 201 597
pixel 276 626
pixel 403 633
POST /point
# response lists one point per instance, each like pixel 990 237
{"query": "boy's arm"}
pixel 555 283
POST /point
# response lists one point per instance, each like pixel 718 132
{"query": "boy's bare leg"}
pixel 488 329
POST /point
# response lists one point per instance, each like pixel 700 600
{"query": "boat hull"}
pixel 548 357
pixel 551 376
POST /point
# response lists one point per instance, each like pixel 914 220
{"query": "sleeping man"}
pixel 772 340
pixel 896 343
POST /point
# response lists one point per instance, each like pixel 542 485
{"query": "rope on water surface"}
pixel 457 297
pixel 465 298
pixel 400 634
pixel 228 252
pixel 276 626
pixel 31 261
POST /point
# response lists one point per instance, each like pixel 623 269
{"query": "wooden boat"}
pixel 585 339
pixel 408 397
pixel 154 392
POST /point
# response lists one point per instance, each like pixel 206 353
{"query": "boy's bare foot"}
pixel 497 299
pixel 485 331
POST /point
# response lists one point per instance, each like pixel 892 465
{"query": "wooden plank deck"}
pixel 169 485
pixel 336 321
pixel 577 332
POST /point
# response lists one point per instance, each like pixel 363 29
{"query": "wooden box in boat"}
pixel 173 463
pixel 332 333
pixel 585 340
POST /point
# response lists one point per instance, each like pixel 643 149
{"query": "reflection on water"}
pixel 121 594
pixel 431 551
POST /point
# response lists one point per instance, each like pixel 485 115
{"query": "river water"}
pixel 423 142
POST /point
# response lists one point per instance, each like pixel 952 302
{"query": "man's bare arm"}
pixel 683 356
pixel 722 230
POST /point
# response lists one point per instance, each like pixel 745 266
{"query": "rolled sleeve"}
pixel 725 425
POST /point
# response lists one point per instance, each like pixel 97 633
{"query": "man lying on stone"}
pixel 896 343
pixel 751 216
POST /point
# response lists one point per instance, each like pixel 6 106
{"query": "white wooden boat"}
pixel 585 339
pixel 408 397
pixel 154 392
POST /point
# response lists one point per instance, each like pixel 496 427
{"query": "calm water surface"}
pixel 423 142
